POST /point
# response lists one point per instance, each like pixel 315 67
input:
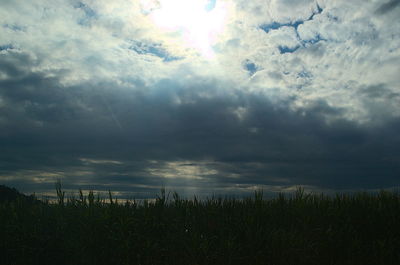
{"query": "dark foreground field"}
pixel 293 229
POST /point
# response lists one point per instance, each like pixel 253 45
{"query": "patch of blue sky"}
pixel 153 49
pixel 210 5
pixel 14 27
pixel 295 24
pixel 319 11
pixel 332 18
pixel 302 43
pixel 6 47
pixel 314 40
pixel 274 25
pixel 286 49
pixel 250 67
pixel 304 74
pixel 89 13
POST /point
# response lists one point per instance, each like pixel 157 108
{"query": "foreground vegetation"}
pixel 294 229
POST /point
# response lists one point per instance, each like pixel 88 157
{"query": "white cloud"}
pixel 343 48
pixel 191 170
pixel 339 50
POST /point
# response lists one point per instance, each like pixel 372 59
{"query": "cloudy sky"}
pixel 199 96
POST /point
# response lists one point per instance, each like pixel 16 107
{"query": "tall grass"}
pixel 297 228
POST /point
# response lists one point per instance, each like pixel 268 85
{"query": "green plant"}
pixel 299 228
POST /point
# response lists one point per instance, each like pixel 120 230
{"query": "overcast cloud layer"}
pixel 299 92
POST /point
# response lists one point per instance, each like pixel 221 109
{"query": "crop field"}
pixel 293 229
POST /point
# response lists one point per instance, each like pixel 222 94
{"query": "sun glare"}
pixel 199 22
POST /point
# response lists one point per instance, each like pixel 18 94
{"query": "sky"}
pixel 199 96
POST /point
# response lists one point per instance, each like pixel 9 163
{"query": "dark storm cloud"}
pixel 109 136
pixel 387 7
pixel 379 91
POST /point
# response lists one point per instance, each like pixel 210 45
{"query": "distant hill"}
pixel 11 194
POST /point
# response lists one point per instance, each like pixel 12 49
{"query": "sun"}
pixel 199 22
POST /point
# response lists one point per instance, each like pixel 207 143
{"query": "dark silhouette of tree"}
pixel 12 194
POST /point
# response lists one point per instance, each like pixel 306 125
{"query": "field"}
pixel 297 228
